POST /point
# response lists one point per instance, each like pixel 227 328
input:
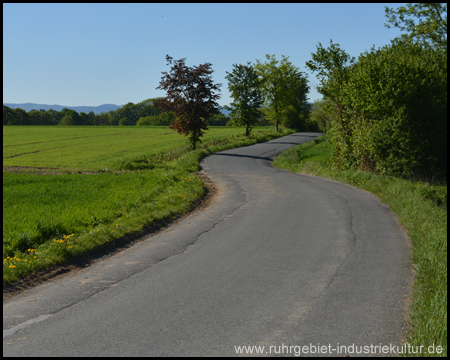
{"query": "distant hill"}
pixel 223 111
pixel 86 109
pixel 96 109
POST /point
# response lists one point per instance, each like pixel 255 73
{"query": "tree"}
pixel 388 111
pixel 8 115
pixel 87 119
pixel 45 118
pixel 281 82
pixel 71 117
pixel 218 119
pixel 431 28
pixel 21 117
pixel 191 95
pixel 296 114
pixel 319 116
pixel 147 108
pixel 54 117
pixel 244 85
pixel 34 116
pixel 129 113
pixel 163 119
pixel 102 119
pixel 332 66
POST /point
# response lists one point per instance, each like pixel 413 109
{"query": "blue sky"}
pixel 94 54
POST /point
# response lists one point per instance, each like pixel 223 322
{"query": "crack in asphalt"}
pixel 175 253
pixel 336 273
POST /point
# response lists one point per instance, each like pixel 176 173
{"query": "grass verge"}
pixel 52 219
pixel 422 210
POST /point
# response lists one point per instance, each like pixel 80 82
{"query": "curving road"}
pixel 277 259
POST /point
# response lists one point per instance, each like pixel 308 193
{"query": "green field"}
pixel 93 147
pixel 85 186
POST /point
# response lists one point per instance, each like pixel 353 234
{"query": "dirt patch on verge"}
pixel 109 249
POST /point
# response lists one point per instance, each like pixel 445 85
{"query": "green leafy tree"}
pixel 34 116
pixel 146 120
pixel 45 118
pixel 102 119
pixel 87 119
pixel 244 86
pixel 21 117
pixel 218 119
pixel 388 111
pixel 54 117
pixel 281 84
pixel 8 116
pixel 123 122
pixel 296 114
pixel 71 117
pixel 333 67
pixel 319 116
pixel 424 22
pixel 129 113
pixel 163 119
pixel 147 108
pixel 191 96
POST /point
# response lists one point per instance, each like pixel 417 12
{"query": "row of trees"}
pixel 265 92
pixel 127 115
pixel 387 110
pixel 275 89
pixel 278 89
pixel 143 113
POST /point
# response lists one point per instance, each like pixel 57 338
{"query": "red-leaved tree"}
pixel 191 95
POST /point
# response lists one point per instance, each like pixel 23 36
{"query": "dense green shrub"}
pixel 397 109
pixel 388 111
pixel 163 119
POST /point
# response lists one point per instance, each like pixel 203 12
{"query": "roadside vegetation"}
pixel 385 114
pixel 52 218
pixel 421 209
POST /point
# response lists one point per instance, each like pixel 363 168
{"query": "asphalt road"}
pixel 277 259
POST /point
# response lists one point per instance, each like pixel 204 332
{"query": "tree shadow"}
pixel 244 156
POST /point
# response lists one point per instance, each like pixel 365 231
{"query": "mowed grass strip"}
pixel 422 210
pixel 49 219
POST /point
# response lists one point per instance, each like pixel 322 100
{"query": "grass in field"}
pixel 422 210
pixel 96 148
pixel 49 219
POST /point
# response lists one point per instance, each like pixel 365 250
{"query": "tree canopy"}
pixel 424 22
pixel 191 95
pixel 244 86
pixel 282 85
pixel 388 110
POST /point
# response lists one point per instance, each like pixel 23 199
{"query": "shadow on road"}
pixel 281 143
pixel 246 156
pixel 313 136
